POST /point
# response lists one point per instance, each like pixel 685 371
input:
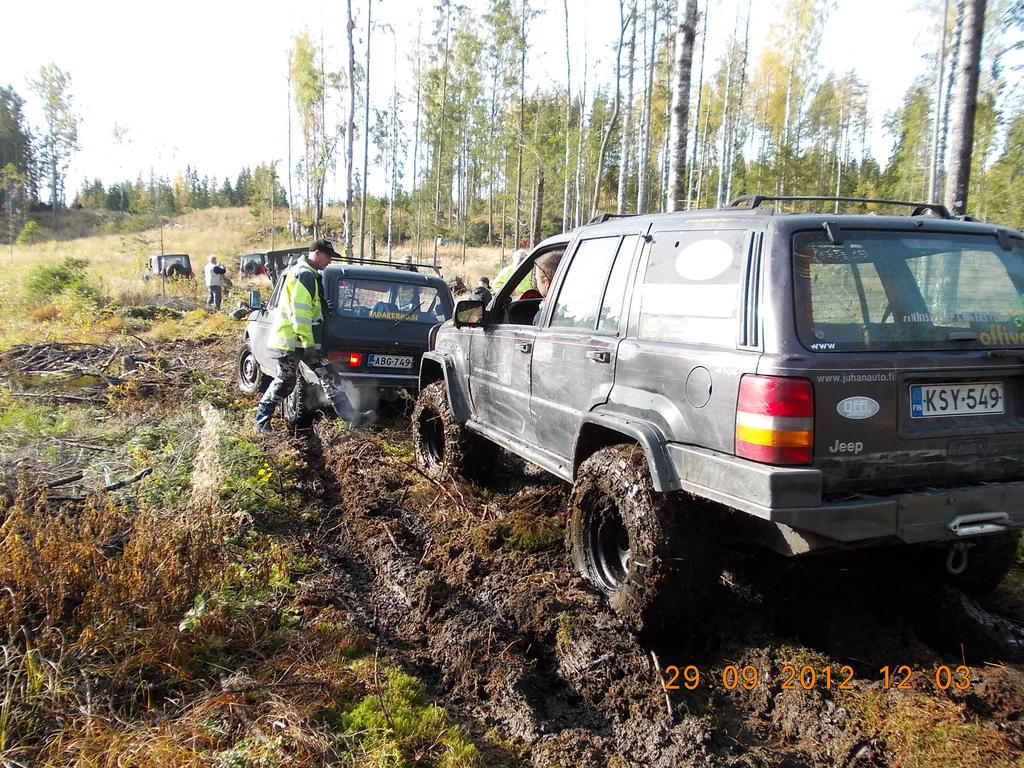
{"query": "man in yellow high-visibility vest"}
pixel 296 320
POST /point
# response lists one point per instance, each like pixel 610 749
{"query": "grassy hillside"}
pixel 113 266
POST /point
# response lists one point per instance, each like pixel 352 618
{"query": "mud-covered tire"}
pixel 248 375
pixel 657 563
pixel 443 446
pixel 988 561
pixel 295 408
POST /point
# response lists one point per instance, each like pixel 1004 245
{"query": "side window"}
pixel 583 288
pixel 615 292
pixel 275 295
pixel 692 286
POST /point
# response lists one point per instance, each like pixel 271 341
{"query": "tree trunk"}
pixel 964 106
pixel 291 212
pixel 613 119
pixel 685 34
pixel 440 132
pixel 366 129
pixel 538 208
pixel 695 174
pixel 568 122
pixel 416 152
pixel 349 131
pixel 625 143
pixel 522 126
pixel 645 144
pixel 936 159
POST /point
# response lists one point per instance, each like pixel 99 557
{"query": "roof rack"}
pixel 283 257
pixel 603 217
pixel 341 259
pixel 754 201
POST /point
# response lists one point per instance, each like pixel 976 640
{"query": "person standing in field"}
pixel 482 292
pixel 214 274
pixel 297 323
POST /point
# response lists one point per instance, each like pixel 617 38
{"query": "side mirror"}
pixel 469 313
pixel 255 300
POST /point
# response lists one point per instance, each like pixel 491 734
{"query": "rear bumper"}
pixel 382 380
pixel 371 380
pixel 792 497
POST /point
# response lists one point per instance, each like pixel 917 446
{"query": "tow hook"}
pixel 956 560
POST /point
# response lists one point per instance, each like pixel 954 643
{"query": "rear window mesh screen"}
pixel 908 290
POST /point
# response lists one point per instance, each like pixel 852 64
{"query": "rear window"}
pixel 908 291
pixel 384 300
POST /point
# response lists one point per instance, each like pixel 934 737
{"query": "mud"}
pixel 470 588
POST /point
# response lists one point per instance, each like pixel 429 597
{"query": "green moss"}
pixel 532 531
pixel 396 726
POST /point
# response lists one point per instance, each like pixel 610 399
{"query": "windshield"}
pixel 908 291
pixel 384 300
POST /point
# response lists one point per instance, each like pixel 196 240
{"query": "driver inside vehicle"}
pixel 544 272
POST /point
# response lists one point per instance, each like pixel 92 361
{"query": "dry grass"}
pixel 117 263
pixel 927 731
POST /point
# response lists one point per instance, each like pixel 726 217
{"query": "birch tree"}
pixel 350 127
pixel 308 79
pixel 609 128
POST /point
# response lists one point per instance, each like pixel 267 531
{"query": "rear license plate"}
pixel 964 399
pixel 389 361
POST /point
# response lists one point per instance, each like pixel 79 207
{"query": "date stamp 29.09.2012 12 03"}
pixel 792 677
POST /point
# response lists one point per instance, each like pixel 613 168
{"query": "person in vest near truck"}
pixel 294 339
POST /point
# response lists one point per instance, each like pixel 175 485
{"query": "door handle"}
pixel 524 346
pixel 599 355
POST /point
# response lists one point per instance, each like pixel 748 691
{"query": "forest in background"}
pixel 473 151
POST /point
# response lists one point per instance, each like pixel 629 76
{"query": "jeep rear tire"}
pixel 177 271
pixel 629 541
pixel 248 375
pixel 442 445
pixel 295 409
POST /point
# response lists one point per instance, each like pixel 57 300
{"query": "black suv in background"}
pixel 170 265
pixel 378 320
pixel 804 381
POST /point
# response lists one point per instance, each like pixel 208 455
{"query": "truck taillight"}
pixel 347 359
pixel 775 420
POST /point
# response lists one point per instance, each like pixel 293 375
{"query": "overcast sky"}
pixel 204 83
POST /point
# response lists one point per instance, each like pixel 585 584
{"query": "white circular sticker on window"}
pixel 704 260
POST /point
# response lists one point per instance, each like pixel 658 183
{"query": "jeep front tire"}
pixel 652 558
pixel 248 375
pixel 443 446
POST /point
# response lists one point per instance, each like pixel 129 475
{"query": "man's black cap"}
pixel 323 245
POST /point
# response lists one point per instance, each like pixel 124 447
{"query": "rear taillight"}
pixel 775 420
pixel 347 359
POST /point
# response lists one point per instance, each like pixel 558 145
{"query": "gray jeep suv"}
pixel 805 381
